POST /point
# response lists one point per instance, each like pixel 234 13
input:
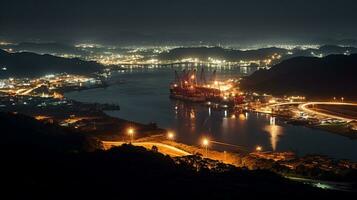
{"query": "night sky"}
pixel 182 21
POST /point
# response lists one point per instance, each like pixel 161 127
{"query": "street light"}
pixel 259 148
pixel 342 98
pixel 205 143
pixel 131 133
pixel 170 135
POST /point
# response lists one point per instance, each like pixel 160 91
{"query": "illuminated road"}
pixel 32 89
pixel 230 145
pixel 304 107
pixel 286 103
pixel 163 148
pixel 27 91
pixel 273 105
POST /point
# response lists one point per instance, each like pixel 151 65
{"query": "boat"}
pixel 188 87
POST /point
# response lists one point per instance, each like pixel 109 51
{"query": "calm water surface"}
pixel 144 97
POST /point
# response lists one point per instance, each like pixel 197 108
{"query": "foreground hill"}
pixel 333 75
pixel 19 131
pixel 27 64
pixel 35 165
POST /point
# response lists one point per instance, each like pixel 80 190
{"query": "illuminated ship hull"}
pixel 200 94
pixel 186 87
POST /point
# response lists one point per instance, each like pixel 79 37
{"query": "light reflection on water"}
pixel 144 98
pixel 275 132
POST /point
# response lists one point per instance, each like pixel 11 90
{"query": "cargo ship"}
pixel 188 86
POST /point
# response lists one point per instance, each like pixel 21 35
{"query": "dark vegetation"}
pixel 27 133
pixel 46 161
pixel 26 64
pixel 328 77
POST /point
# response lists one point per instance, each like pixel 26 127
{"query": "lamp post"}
pixel 205 143
pixel 170 135
pixel 131 133
pixel 259 148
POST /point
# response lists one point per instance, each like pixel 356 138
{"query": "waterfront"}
pixel 143 97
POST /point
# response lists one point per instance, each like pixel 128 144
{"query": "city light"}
pixel 205 144
pixel 53 82
pixel 131 133
pixel 144 99
pixel 241 116
pixel 259 148
pixel 170 135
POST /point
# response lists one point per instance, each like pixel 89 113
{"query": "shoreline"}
pixel 295 122
pixel 351 134
pixel 121 135
pixel 91 119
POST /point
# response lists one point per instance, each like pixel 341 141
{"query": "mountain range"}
pixel 235 55
pixel 327 77
pixel 26 64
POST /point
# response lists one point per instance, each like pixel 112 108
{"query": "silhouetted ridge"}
pixel 234 55
pixel 20 131
pixel 334 75
pixel 219 53
pixel 26 64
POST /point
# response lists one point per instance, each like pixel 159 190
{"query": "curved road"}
pixel 286 103
pixel 163 148
pixel 304 107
